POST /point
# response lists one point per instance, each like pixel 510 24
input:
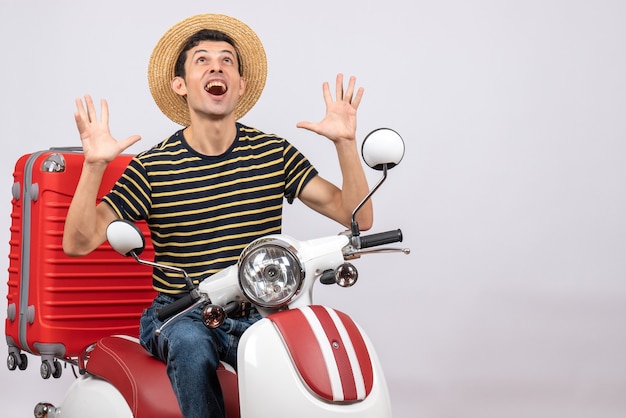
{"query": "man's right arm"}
pixel 86 223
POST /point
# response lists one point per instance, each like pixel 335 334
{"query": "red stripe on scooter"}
pixel 360 348
pixel 339 351
pixel 304 350
pixel 303 334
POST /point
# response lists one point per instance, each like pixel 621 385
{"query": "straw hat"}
pixel 165 53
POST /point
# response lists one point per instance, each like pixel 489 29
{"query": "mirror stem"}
pixel 354 225
pixel 188 281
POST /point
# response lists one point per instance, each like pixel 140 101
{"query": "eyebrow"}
pixel 223 51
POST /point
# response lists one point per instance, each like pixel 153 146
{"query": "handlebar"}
pixel 176 307
pixel 381 238
pixel 365 241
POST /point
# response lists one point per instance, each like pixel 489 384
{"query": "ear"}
pixel 242 86
pixel 179 86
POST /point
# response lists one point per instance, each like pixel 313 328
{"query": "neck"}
pixel 211 137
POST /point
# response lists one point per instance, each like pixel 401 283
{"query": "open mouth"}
pixel 216 88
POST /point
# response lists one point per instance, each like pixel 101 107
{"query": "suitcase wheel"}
pixel 46 370
pixel 14 362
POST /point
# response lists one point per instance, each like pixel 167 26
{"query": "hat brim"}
pixel 165 54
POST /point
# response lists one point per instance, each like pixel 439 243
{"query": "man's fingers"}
pixel 80 108
pixel 339 87
pixel 328 98
pixel 350 89
pixel 129 141
pixel 357 99
pixel 91 109
pixel 104 112
pixel 87 111
pixel 306 125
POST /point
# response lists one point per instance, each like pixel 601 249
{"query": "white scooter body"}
pixel 269 386
pixel 263 354
pixel 99 397
pixel 269 377
pixel 270 382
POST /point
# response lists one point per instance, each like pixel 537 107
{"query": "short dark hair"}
pixel 195 39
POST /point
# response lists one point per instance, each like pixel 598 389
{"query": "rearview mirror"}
pixel 125 237
pixel 382 147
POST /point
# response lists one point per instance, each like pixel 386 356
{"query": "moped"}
pixel 300 359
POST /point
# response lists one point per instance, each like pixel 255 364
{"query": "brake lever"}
pixel 203 299
pixel 357 253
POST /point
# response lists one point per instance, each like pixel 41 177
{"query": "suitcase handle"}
pixel 67 149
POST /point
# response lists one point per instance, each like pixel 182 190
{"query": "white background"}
pixel 511 194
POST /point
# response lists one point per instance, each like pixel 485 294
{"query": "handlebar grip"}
pixel 328 277
pixel 232 307
pixel 381 238
pixel 175 307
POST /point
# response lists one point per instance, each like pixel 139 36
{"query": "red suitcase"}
pixel 57 305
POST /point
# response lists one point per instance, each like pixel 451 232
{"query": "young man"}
pixel 209 189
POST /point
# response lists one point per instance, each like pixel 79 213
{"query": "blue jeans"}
pixel 192 353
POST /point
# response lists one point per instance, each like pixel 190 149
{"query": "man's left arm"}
pixel 339 125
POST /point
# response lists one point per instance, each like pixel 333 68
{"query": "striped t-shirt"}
pixel 203 210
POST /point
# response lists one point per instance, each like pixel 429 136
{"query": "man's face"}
pixel 212 82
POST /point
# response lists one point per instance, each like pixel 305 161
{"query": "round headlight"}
pixel 270 273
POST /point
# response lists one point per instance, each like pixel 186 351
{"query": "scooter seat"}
pixel 142 379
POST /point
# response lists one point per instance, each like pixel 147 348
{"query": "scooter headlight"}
pixel 270 273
